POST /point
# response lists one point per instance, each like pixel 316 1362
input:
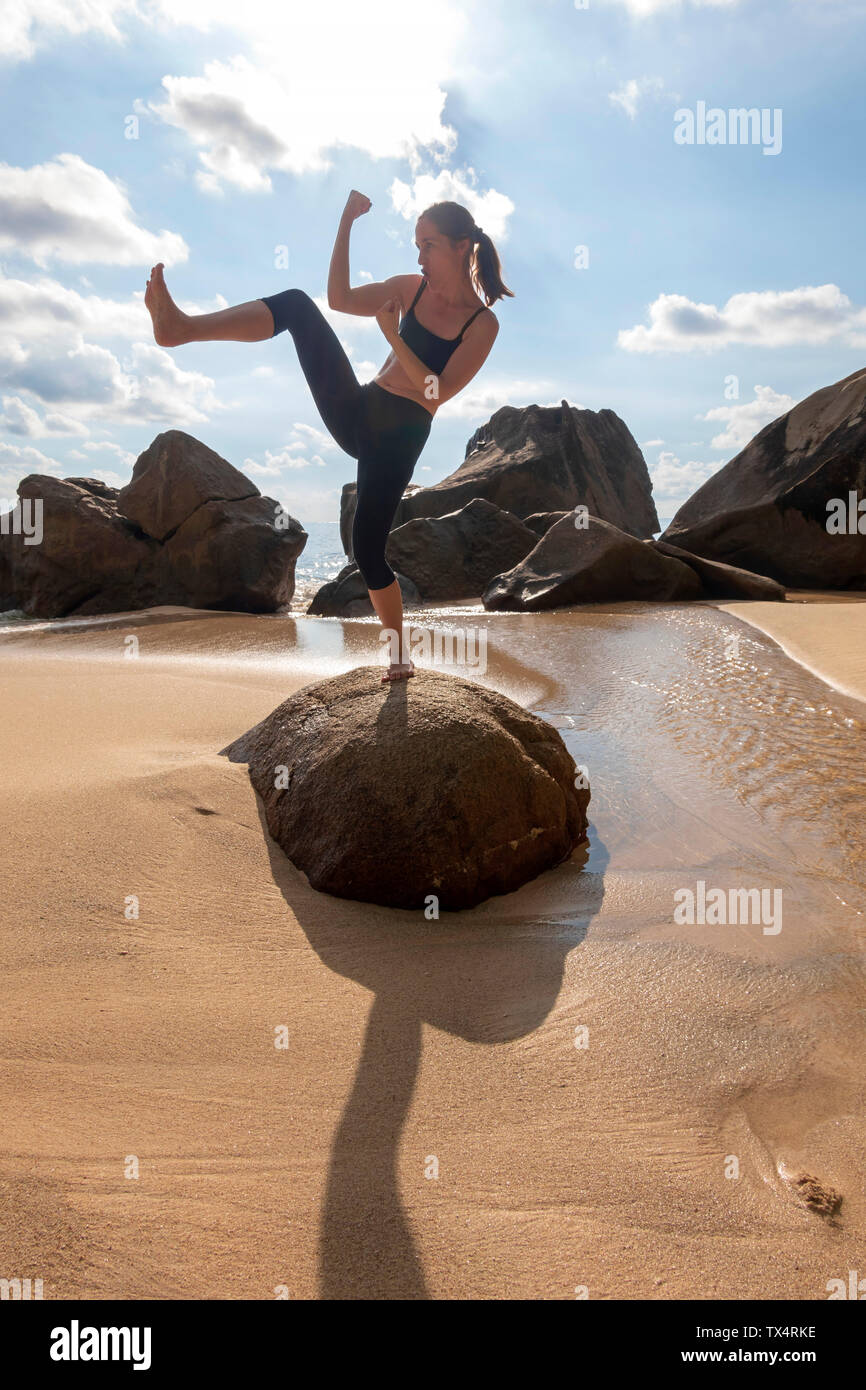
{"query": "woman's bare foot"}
pixel 399 671
pixel 168 321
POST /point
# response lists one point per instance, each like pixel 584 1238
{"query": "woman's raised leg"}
pixel 330 376
pixel 242 323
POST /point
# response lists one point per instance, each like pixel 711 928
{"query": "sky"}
pixel 696 275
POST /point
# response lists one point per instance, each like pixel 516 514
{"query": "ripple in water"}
pixel 785 743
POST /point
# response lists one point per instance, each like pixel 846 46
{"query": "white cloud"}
pixel 299 452
pixel 257 112
pixel 17 460
pixel 673 481
pixel 490 210
pixel 124 455
pixel 49 348
pixel 745 421
pixel 93 384
pixel 312 438
pixel 631 92
pixel 479 404
pixel 163 391
pixel 20 418
pixel 295 90
pixel 43 310
pixel 30 24
pixel 814 315
pixel 106 475
pixel 68 210
pixel 276 462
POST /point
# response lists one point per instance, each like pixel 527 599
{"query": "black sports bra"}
pixel 433 351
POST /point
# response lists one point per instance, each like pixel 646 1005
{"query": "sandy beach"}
pixel 539 1096
pixel 825 632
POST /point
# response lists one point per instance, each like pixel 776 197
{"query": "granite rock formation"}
pixel 767 510
pixel 188 529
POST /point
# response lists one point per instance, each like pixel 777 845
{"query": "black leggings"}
pixel 383 431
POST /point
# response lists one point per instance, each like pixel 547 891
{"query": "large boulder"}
pixel 347 596
pixel 175 476
pixel 225 552
pixel 230 554
pixel 88 551
pixel 593 564
pixel 436 788
pixel 767 509
pixel 548 458
pixel 724 581
pixel 456 556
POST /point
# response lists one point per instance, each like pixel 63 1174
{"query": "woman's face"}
pixel 440 262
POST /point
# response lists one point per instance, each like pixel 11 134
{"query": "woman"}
pixel 384 424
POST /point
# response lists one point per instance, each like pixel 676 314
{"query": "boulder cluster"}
pixel 187 529
pixel 550 506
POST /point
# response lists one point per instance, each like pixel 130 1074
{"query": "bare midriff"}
pixel 392 377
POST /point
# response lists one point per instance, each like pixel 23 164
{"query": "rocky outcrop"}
pixel 434 789
pixel 232 555
pixel 534 458
pixel 437 558
pixel 767 509
pixel 175 476
pixel 347 596
pixel 724 581
pixel 220 543
pixel 593 564
pixel 456 556
pixel 87 551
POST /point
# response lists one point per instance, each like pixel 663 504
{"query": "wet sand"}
pixel 430 1129
pixel 825 632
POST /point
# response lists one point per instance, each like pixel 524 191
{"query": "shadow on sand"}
pixel 490 974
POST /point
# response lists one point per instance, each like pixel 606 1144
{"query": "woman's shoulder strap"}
pixel 471 317
pixel 417 294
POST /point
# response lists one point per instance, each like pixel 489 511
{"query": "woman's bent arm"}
pixel 338 275
pixel 417 371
